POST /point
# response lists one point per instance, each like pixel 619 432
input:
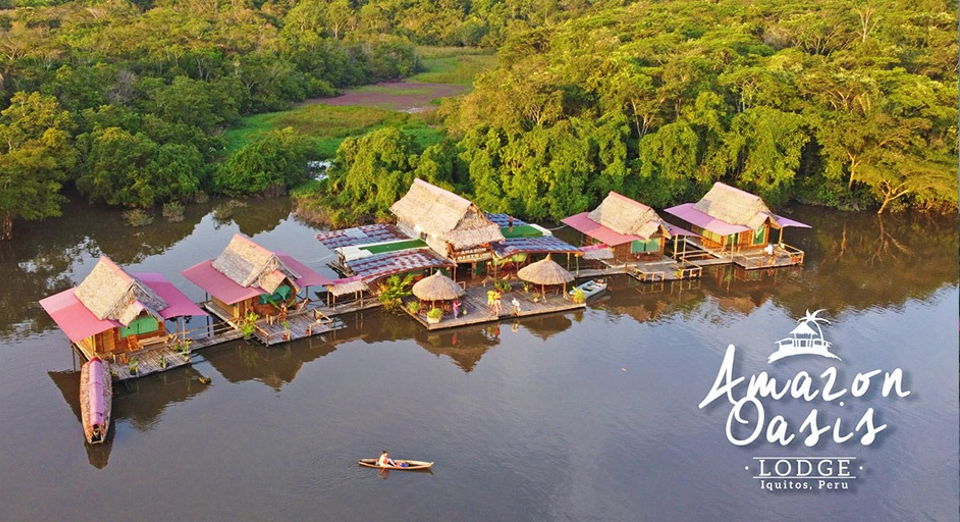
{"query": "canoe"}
pixel 402 465
pixel 96 398
pixel 591 288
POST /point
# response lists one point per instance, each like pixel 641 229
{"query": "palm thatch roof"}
pixel 437 287
pixel 626 216
pixel 247 263
pixel 111 293
pixel 441 213
pixel 734 206
pixel 545 272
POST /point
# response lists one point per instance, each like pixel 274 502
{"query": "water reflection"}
pixel 142 402
pixel 275 366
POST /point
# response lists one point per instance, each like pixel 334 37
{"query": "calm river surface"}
pixel 579 416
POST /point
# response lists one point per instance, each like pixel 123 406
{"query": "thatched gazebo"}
pixel 545 272
pixel 437 287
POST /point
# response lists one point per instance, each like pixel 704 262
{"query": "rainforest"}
pixel 131 104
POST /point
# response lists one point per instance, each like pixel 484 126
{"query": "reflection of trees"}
pixel 857 260
pixel 40 262
pixel 260 215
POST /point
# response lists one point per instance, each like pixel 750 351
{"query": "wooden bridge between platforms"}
pixel 474 310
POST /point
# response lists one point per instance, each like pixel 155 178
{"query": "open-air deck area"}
pixel 272 330
pixel 153 358
pixel 474 308
pixel 696 253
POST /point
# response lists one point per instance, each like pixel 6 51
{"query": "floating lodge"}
pixel 467 267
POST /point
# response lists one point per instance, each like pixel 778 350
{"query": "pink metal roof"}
pixel 218 285
pixel 787 222
pixel 688 213
pixel 225 289
pixel 691 215
pixel 308 277
pixel 79 323
pixel 582 223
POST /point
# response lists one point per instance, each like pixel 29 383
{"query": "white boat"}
pixel 591 288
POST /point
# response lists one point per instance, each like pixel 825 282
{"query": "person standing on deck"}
pixel 491 300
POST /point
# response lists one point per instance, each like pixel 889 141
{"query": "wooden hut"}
pixel 728 218
pixel 450 225
pixel 631 229
pixel 246 277
pixel 112 312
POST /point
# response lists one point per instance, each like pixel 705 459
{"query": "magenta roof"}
pixel 688 213
pixel 79 323
pixel 705 221
pixel 225 289
pixel 582 223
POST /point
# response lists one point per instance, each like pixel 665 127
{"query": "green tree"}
pixel 369 173
pixel 117 168
pixel 35 154
pixel 272 164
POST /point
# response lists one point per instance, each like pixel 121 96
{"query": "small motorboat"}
pixel 404 465
pixel 591 288
pixel 96 399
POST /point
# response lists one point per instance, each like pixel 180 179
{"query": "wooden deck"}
pixel 665 269
pixel 699 255
pixel 155 358
pixel 474 303
pixel 270 331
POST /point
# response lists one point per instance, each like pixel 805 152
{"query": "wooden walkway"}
pixel 474 304
pixel 663 269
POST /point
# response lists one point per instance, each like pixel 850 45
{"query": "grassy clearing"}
pixel 455 65
pixel 329 125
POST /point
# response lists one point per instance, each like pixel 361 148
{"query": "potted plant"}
pixel 578 295
pixel 286 330
pixel 434 315
pixel 414 307
pixel 134 369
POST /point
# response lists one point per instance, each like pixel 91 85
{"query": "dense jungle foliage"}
pixel 826 102
pixel 849 105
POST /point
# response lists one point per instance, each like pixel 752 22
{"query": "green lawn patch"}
pixel 454 65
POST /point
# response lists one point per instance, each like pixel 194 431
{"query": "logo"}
pixel 804 340
pixel 753 421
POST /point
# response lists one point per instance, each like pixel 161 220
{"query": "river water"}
pixel 579 416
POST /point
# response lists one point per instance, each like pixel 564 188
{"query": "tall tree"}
pixel 35 154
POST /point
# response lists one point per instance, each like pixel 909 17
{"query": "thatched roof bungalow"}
pixel 246 277
pixel 111 311
pixel 731 219
pixel 449 224
pixel 630 228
